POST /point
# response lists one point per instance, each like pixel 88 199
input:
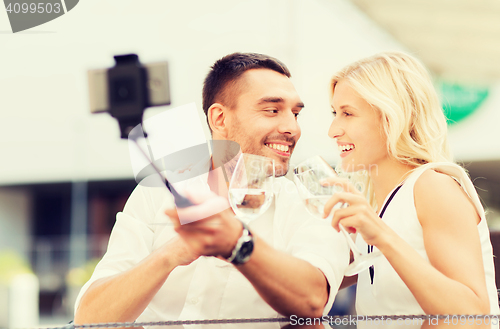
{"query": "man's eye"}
pixel 296 114
pixel 272 111
pixel 334 113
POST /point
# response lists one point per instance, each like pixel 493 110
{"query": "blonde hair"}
pixel 399 87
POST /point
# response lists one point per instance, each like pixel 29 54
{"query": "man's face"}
pixel 264 120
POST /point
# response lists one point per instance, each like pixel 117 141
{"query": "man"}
pixel 285 262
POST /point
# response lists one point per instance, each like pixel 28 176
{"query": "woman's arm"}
pixel 454 281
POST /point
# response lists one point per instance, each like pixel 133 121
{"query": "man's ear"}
pixel 217 119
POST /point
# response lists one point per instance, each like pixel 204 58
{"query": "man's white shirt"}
pixel 210 288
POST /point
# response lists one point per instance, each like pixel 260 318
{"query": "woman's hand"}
pixel 358 217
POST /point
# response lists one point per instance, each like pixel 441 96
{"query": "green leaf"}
pixel 460 101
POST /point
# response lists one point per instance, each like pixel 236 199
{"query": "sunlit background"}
pixel 64 173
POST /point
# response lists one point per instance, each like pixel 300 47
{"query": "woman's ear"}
pixel 217 119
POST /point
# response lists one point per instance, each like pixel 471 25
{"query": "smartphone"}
pixel 158 88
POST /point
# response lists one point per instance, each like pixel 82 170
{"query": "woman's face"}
pixel 358 130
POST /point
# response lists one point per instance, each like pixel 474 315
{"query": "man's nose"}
pixel 289 125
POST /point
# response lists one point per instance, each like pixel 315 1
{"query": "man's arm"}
pixel 131 273
pixel 290 285
pixel 123 297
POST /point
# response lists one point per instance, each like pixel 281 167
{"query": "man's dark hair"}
pixel 225 73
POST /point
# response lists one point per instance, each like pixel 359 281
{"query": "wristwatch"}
pixel 243 249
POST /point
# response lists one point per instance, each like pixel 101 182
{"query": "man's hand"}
pixel 274 274
pixel 179 252
pixel 209 228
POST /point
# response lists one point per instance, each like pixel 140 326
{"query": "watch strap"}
pixel 240 255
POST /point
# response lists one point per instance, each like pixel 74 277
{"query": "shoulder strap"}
pixel 370 247
pixel 389 200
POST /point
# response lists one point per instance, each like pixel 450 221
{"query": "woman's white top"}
pixel 389 295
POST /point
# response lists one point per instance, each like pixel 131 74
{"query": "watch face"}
pixel 247 248
pixel 245 252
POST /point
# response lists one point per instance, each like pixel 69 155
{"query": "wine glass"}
pixel 251 187
pixel 308 177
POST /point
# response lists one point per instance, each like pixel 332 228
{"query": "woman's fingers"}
pixel 349 228
pixel 360 219
pixel 343 215
pixel 342 197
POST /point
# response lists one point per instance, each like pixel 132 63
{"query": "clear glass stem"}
pixel 350 242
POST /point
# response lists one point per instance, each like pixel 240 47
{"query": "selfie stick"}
pixel 128 97
pixel 180 201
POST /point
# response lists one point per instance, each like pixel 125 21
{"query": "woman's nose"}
pixel 335 130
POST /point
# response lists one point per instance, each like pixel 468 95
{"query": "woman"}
pixel 390 129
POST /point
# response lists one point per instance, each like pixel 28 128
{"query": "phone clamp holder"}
pixel 128 94
pixel 128 98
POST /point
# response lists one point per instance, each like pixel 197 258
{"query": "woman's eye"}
pixel 342 113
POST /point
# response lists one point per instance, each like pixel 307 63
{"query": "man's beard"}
pixel 225 153
pixel 280 167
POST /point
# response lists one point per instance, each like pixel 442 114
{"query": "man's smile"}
pixel 280 148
